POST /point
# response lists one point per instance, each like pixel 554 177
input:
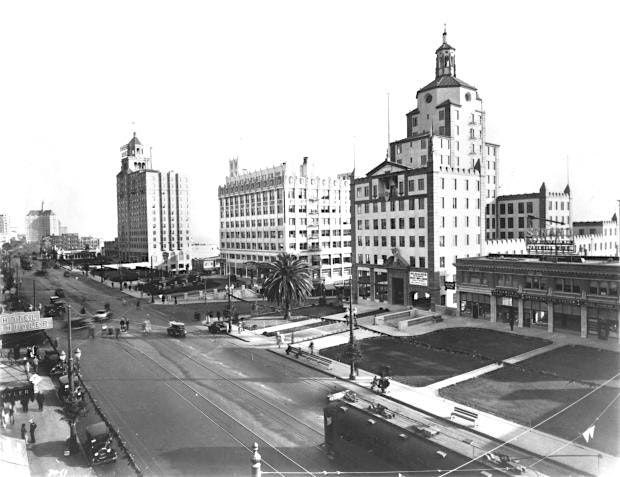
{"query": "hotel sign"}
pixel 550 242
pixel 418 278
pixel 19 322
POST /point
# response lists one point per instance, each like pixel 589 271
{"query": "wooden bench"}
pixel 466 415
pixel 320 360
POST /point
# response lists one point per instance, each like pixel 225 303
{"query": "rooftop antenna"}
pixel 387 157
pixel 354 155
pixel 42 202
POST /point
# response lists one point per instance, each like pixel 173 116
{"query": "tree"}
pixel 72 409
pixel 288 281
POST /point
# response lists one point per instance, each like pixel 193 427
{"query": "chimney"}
pixel 303 170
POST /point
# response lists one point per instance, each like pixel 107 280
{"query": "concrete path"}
pixel 464 377
pixel 532 353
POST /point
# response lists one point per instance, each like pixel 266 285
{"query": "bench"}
pixel 466 415
pixel 320 360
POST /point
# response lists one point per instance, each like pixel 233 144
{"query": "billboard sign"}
pixel 550 242
pixel 418 278
pixel 21 321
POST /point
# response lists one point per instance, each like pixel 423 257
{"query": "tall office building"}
pixel 286 209
pixel 41 223
pixel 423 207
pixel 153 212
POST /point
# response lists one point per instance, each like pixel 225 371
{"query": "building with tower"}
pixel 152 211
pixel 286 209
pixel 425 204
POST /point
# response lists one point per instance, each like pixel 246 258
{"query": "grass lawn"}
pixel 410 363
pixel 491 344
pixel 529 397
pixel 578 363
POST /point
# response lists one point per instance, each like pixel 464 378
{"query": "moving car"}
pixel 218 327
pixel 177 329
pixel 102 315
pixel 98 445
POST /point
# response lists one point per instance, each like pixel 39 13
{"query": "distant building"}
pixel 90 243
pixel 4 229
pixel 569 294
pixel 510 216
pixel 286 209
pixel 207 264
pixel 205 250
pixel 597 238
pixel 152 211
pixel 41 223
pixel 110 249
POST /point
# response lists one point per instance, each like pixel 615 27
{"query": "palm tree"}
pixel 288 282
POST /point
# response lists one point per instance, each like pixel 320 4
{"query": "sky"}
pixel 272 82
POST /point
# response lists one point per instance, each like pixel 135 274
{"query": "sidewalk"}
pixel 45 457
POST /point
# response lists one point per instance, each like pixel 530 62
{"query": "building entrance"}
pixel 398 291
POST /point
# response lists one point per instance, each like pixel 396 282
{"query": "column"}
pixel 458 303
pixel 520 312
pixel 550 317
pixel 372 284
pixel 584 321
pixel 493 309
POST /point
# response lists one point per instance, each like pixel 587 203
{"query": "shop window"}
pixel 593 288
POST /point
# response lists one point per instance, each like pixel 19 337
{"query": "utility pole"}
pixel 70 353
pixel 351 335
pixel 228 305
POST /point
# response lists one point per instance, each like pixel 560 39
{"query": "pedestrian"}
pixel 175 300
pixel 138 303
pixel 278 339
pixel 117 332
pixel 27 368
pixel 35 364
pixel 40 400
pixel 24 433
pixel 122 324
pixel 219 315
pixel 33 427
pixel 5 417
pixel 311 346
pixel 12 412
pixel 35 351
pixel 24 403
pixel 511 322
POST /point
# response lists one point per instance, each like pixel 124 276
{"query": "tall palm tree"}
pixel 289 281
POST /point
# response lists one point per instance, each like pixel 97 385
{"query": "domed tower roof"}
pixel 445 64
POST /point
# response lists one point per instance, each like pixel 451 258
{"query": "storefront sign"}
pixel 506 301
pixel 418 278
pixel 450 285
pixel 552 241
pixel 509 292
pixel 21 321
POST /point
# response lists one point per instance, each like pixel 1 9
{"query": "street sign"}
pixel 450 285
pixel 21 321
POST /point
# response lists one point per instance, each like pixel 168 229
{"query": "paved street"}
pixel 196 405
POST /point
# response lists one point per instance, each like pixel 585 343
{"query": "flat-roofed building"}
pixel 286 209
pixel 567 294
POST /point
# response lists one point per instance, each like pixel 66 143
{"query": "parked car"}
pixel 102 315
pixel 98 444
pixel 218 327
pixel 59 292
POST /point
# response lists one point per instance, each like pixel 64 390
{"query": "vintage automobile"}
pixel 176 329
pixel 218 327
pixel 102 315
pixel 98 445
pixel 63 388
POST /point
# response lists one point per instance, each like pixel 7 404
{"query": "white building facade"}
pixel 41 223
pixel 152 211
pixel 424 206
pixel 286 209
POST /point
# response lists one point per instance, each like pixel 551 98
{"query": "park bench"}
pixel 315 358
pixel 466 415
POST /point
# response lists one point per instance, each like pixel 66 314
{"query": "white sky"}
pixel 276 81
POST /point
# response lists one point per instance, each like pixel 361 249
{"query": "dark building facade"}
pixel 570 294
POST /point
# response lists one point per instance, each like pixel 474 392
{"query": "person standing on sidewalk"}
pixel 33 427
pixel 311 346
pixel 126 324
pixel 511 321
pixel 24 433
pixel 40 400
pixel 24 403
pixel 27 369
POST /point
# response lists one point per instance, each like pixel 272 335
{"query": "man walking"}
pixel 24 402
pixel 511 321
pixel 24 433
pixel 311 346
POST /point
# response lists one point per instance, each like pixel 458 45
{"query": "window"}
pixel 421 203
pixel 521 207
pixel 411 185
pixel 456 221
pixel 529 207
pixel 422 262
pixel 521 221
pixel 442 241
pixel 412 241
pixel 455 240
pixel 383 224
pixel 401 223
pixel 393 241
pixel 412 222
pixel 511 208
pixel 443 183
pixel 411 204
pixel 421 222
pixel 454 203
pixel 383 241
pixel 502 208
pixel 510 222
pixel 401 241
pixel 421 241
pixel 420 184
pixel 455 184
pixel 442 114
pixel 392 223
pixel 442 262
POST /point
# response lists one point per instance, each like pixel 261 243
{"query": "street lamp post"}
pixel 70 367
